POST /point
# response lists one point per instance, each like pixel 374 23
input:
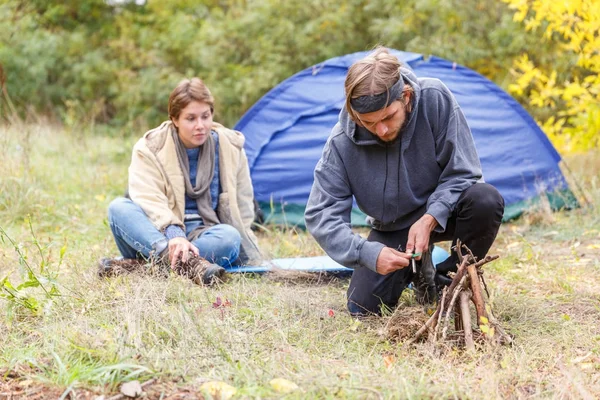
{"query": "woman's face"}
pixel 194 123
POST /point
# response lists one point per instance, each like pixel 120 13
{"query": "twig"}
pixel 440 307
pixel 451 306
pixel 484 284
pixel 466 320
pixel 470 253
pixel 459 275
pixel 457 250
pixel 425 326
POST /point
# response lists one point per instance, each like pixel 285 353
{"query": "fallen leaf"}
pixel 581 359
pixel 219 303
pixel 484 328
pixel 513 244
pixel 586 365
pixel 219 389
pixel 281 385
pixel 389 361
pixel 551 233
pixel 330 313
pixel 132 389
pixel 484 320
pixel 593 246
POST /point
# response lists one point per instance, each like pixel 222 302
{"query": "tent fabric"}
pixel 287 129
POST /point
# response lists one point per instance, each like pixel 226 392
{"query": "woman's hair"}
pixel 189 90
pixel 373 75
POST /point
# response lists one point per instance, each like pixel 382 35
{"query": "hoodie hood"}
pixel 362 137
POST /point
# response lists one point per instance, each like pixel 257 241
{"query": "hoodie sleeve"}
pixel 461 168
pixel 328 215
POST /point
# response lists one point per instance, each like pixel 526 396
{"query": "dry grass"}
pixel 99 333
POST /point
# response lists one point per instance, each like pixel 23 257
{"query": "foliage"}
pixel 89 61
pixel 21 297
pixel 571 102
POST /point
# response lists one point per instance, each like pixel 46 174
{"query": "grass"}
pixel 99 333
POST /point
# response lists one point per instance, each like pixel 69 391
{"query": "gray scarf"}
pixel 204 176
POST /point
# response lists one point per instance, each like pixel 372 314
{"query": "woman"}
pixel 190 195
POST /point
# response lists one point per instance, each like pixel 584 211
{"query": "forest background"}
pixel 110 65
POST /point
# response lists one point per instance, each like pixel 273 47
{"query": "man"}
pixel 403 150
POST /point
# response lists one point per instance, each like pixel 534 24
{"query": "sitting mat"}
pixel 317 264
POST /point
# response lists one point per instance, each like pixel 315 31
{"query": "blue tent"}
pixel 288 127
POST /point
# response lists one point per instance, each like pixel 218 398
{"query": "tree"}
pixel 572 116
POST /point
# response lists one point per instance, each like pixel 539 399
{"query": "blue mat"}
pixel 318 264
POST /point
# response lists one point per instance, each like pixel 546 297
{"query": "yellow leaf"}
pixel 484 328
pixel 100 197
pixel 281 385
pixel 389 361
pixel 593 246
pixel 218 389
pixel 492 332
pixel 484 320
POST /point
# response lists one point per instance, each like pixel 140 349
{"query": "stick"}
pixel 459 275
pixel 466 320
pixel 457 248
pixel 458 323
pixel 476 290
pixel 451 306
pixel 426 326
pixel 440 307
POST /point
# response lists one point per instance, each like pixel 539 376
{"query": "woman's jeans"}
pixel 137 237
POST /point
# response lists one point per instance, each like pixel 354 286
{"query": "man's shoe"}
pixel 119 266
pixel 424 281
pixel 200 271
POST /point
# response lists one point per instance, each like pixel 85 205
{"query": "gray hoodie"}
pixel 424 170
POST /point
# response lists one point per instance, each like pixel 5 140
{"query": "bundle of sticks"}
pixel 466 287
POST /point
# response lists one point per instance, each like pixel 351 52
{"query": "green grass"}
pixel 99 333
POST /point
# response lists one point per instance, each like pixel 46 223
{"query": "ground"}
pixel 68 334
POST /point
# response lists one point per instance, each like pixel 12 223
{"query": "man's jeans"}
pixel 475 221
pixel 137 237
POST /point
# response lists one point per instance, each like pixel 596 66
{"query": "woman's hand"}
pixel 180 247
pixel 390 260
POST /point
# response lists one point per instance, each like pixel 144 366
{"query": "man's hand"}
pixel 419 233
pixel 180 247
pixel 390 260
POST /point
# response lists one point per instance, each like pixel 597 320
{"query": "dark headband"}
pixel 375 102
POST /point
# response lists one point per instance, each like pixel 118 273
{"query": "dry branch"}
pixel 465 288
pixel 466 320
